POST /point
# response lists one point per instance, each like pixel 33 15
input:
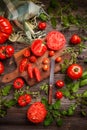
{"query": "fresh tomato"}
pixel 18 83
pixel 1 67
pixel 2 52
pixel 60 83
pixel 24 100
pixel 51 53
pixel 5 29
pixel 37 112
pixel 26 53
pixel 45 61
pixel 74 71
pixel 58 59
pixel 55 40
pixel 9 51
pixel 38 48
pixel 37 74
pixel 32 59
pixel 42 25
pixel 45 67
pixel 23 65
pixel 59 94
pixel 30 70
pixel 75 39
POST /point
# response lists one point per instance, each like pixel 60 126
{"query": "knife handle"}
pixel 50 94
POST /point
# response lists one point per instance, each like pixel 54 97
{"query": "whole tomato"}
pixel 1 67
pixel 38 48
pixel 2 52
pixel 9 51
pixel 75 39
pixel 45 60
pixel 18 83
pixel 32 59
pixel 51 53
pixel 58 59
pixel 60 83
pixel 37 112
pixel 42 25
pixel 74 71
pixel 24 100
pixel 59 94
pixel 5 29
pixel 45 67
pixel 26 53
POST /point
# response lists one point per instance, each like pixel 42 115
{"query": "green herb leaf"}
pixel 84 113
pixel 83 82
pixel 59 122
pixel 56 113
pixel 2 113
pixel 48 120
pixel 10 103
pixel 44 101
pixel 57 105
pixel 66 92
pixel 54 22
pixel 84 95
pixel 43 17
pixel 6 90
pixel 75 87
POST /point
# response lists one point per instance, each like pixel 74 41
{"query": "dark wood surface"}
pixel 16 117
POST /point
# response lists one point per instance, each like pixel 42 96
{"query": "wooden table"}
pixel 16 119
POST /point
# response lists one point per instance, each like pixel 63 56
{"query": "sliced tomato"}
pixel 38 48
pixel 55 40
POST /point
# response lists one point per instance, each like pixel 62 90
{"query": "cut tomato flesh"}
pixel 55 40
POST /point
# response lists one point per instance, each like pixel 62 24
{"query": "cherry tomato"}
pixel 60 83
pixel 18 83
pixel 42 25
pixel 26 53
pixel 37 74
pixel 23 65
pixel 74 71
pixel 37 112
pixel 32 59
pixel 45 61
pixel 59 94
pixel 38 48
pixel 9 51
pixel 75 39
pixel 55 40
pixel 5 29
pixel 1 67
pixel 51 53
pixel 58 59
pixel 45 67
pixel 24 100
pixel 2 52
pixel 30 70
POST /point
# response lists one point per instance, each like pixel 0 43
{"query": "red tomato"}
pixel 9 51
pixel 75 39
pixel 23 65
pixel 74 71
pixel 42 25
pixel 38 48
pixel 45 61
pixel 30 70
pixel 1 67
pixel 51 53
pixel 58 59
pixel 24 100
pixel 59 94
pixel 2 52
pixel 18 83
pixel 26 53
pixel 55 40
pixel 37 74
pixel 32 59
pixel 45 67
pixel 5 29
pixel 60 83
pixel 36 112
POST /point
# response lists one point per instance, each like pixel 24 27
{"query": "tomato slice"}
pixel 38 48
pixel 55 40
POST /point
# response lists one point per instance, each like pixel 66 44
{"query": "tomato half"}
pixel 74 71
pixel 5 29
pixel 38 48
pixel 55 40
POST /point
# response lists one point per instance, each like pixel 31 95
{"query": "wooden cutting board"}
pixel 19 55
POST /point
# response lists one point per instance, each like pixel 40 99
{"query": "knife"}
pixel 51 81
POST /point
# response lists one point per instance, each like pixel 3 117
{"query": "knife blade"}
pixel 51 81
